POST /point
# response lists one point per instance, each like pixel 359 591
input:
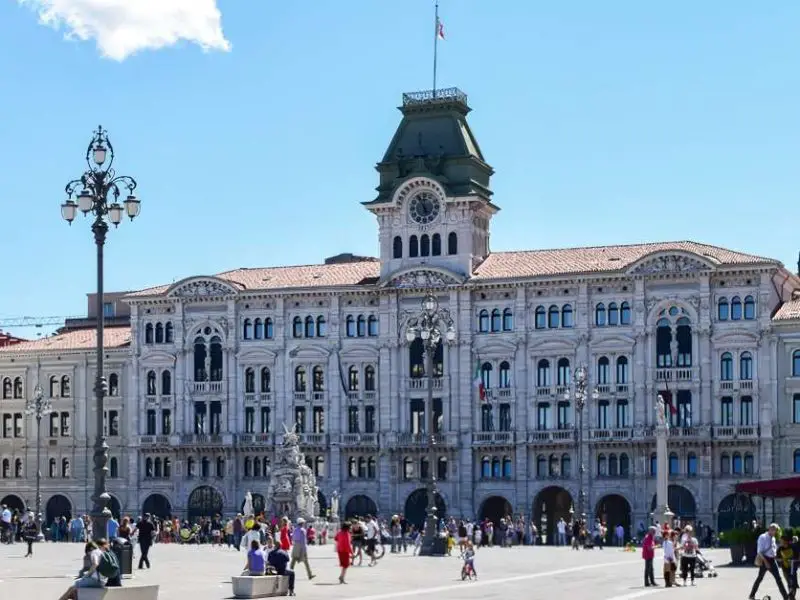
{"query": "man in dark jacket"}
pixel 146 530
pixel 279 560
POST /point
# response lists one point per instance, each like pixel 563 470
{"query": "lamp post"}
pixel 97 192
pixel 38 407
pixel 430 326
pixel 580 395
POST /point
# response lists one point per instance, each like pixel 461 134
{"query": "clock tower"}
pixel 434 202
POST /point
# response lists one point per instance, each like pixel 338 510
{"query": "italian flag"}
pixel 478 382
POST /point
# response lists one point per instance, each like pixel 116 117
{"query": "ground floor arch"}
pixel 495 508
pixel 415 509
pixel 550 505
pixel 681 502
pixel 115 507
pixel 13 502
pixel 360 505
pixel 735 510
pixel 57 506
pixel 615 510
pixel 157 505
pixel 204 501
pixel 259 504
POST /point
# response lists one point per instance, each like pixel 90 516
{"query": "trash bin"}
pixel 124 551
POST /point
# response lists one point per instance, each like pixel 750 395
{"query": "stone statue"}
pixel 335 505
pixel 292 490
pixel 661 412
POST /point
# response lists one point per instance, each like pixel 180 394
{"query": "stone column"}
pixel 662 513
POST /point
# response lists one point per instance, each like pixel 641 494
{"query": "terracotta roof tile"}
pixel 789 311
pixel 76 339
pixel 305 276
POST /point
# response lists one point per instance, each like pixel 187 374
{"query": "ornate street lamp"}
pixel 97 193
pixel 431 326
pixel 38 407
pixel 580 394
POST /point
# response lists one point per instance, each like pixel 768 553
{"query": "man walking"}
pixel 648 554
pixel 562 532
pixel 145 529
pixel 765 559
pixel 300 547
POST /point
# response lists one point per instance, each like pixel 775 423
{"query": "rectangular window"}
pixel 417 414
pixel 796 408
pixel 108 310
pixel 438 416
pixel 602 414
pixel 563 415
pixel 151 422
pixel 300 418
pixel 684 415
pixel 622 413
pixel 543 416
pixel 216 418
pixel 249 419
pixel 113 423
pixel 8 430
pixel 265 424
pixel 319 419
pixel 726 412
pixel 746 411
pixel 166 421
pixel 352 419
pixel 199 418
pixel 18 425
pixel 487 417
pixel 370 425
pixel 53 425
pixel 65 423
pixel 505 417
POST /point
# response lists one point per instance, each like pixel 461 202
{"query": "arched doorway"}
pixel 323 503
pixel 551 504
pixel 204 501
pixel 681 503
pixel 259 504
pixel 57 506
pixel 360 506
pixel 13 503
pixel 115 507
pixel 735 510
pixel 157 505
pixel 495 508
pixel 614 510
pixel 417 503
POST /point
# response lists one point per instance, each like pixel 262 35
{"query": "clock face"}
pixel 424 208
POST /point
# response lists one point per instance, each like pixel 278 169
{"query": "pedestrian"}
pixel 30 533
pixel 765 561
pixel 648 554
pixel 344 548
pixel 670 564
pixel 145 529
pixel 278 558
pixel 300 547
pixel 688 554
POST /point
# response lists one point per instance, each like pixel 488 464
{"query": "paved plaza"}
pixel 533 573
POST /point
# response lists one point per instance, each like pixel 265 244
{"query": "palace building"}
pixel 208 370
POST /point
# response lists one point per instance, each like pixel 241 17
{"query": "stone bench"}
pixel 130 592
pixel 263 586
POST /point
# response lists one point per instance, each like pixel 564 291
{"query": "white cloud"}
pixel 123 27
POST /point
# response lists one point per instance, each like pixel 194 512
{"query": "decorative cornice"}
pixel 671 263
pixel 202 288
pixel 426 277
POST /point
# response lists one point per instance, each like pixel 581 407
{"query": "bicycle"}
pixel 358 556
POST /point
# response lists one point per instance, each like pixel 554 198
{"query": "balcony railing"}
pixel 207 387
pixel 603 388
pixel 315 439
pixel 421 439
pixel 736 432
pixel 493 437
pixel 358 439
pixel 250 398
pixel 421 383
pixel 543 391
pixel 300 396
pixel 256 438
pixel 670 374
pixel 206 438
pixel 151 399
pixel 552 436
pixel 370 396
pixel 615 434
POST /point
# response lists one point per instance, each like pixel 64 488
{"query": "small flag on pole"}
pixel 478 382
pixel 439 29
pixel 668 399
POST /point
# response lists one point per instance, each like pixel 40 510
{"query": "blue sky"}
pixel 606 122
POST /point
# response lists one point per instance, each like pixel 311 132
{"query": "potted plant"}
pixel 739 540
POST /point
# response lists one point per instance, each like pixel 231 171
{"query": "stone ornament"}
pixel 672 263
pixel 422 279
pixel 201 289
pixel 292 490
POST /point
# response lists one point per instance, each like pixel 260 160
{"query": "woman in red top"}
pixel 344 548
pixel 286 535
pixel 648 554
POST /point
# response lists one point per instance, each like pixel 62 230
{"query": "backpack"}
pixel 109 565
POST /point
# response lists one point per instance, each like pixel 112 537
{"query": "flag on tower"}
pixel 478 382
pixel 439 29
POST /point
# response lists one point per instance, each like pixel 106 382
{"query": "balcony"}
pixel 552 436
pixel 208 387
pixel 151 400
pixel 250 399
pixel 266 439
pixel 736 432
pixel 421 439
pixel 416 384
pixel 300 396
pixel 493 437
pixel 313 439
pixel 603 389
pixel 623 389
pixel 616 434
pixel 544 391
pixel 154 440
pixel 744 385
pixel 358 439
pixel 677 374
pixel 370 396
pixel 688 433
pixel 206 439
pixel 505 393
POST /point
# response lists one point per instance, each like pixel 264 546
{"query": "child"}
pixel 344 548
pixel 469 559
pixel 786 562
pixel 451 543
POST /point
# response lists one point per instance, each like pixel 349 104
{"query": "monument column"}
pixel 662 513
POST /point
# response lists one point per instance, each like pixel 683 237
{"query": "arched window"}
pixel 613 314
pixel 602 465
pixel 7 388
pixel 413 246
pixel 205 467
pixel 540 317
pixel 496 320
pixel 543 373
pixel 408 468
pixel 258 329
pixel 6 468
pixel 309 328
pixel 54 386
pixel 553 317
pixel 151 383
pixel 265 380
pixel 507 470
pixel 361 326
pixel 65 469
pixel 65 386
pixel 18 387
pixel 600 315
pixel 602 370
pixel 318 379
pixel 362 467
pixel 249 380
pixel 424 245
pixel 725 464
pixel 372 326
pixel 625 314
pixel 166 383
pixel 297 327
pixel 51 467
pixel 113 467
pixel 566 465
pixel 220 466
pixel 352 379
pixel 18 468
pixel 563 371
pixel 300 379
pixel 113 384
pixel 269 329
pixel 452 243
pixel 248 466
pixel 169 333
pixel 436 245
pixel 167 468
pixel 247 329
pixel 504 375
pixel 723 309
pixel 691 464
pixel 622 370
pixel 486 467
pixel 190 467
pixel 350 326
pixel 508 320
pixel 624 465
pixel 369 378
pixel 148 467
pixel 319 466
pixel 567 316
pixel 613 465
pixel 322 326
pixel 157 467
pixel 746 366
pixel 736 464
pixel 749 308
pixel 749 464
pixel 372 468
pixel 796 363
pixel 496 468
pixel 397 247
pixel 148 333
pixel 726 367
pixel 159 333
pixel 674 464
pixel 486 375
pixel 483 321
pixel 736 308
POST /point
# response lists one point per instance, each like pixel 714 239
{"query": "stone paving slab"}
pixel 204 573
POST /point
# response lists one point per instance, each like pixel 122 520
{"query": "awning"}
pixel 788 487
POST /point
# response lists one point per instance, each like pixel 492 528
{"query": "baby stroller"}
pixel 189 536
pixel 703 566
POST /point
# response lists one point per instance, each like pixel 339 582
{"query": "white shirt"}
pixel 371 530
pixel 6 516
pixel 689 546
pixel 766 545
pixel 562 527
pixel 669 551
pixel 95 556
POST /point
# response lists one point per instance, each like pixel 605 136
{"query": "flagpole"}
pixel 435 45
